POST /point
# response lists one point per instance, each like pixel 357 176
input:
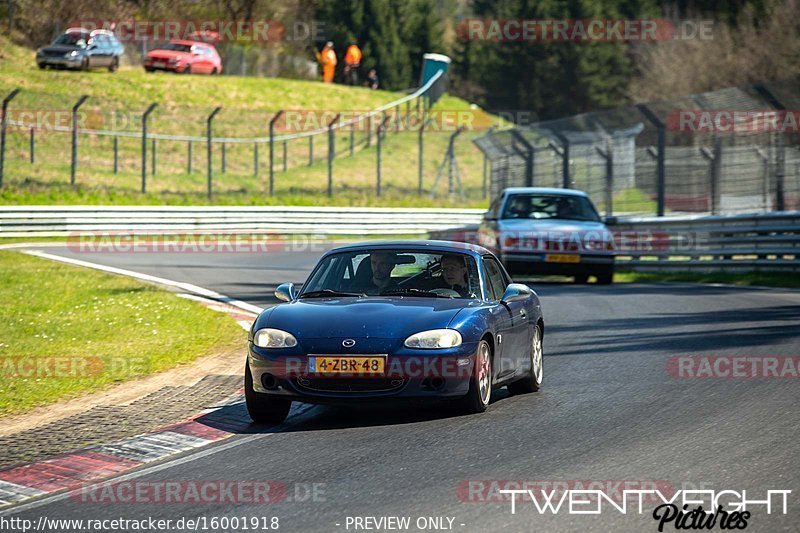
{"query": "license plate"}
pixel 337 364
pixel 159 64
pixel 562 258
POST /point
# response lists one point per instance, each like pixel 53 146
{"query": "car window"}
pixel 544 206
pixel 420 273
pixel 495 280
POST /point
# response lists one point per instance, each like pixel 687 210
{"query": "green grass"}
pixel 763 279
pixel 87 329
pixel 248 104
pixel 633 201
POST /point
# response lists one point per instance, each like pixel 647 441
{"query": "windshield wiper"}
pixel 414 292
pixel 328 293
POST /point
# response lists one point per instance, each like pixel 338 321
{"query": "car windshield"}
pixel 394 272
pixel 72 39
pixel 544 206
pixel 177 47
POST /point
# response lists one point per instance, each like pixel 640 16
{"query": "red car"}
pixel 185 57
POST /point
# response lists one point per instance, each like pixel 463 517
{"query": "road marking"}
pixel 296 418
pixel 187 287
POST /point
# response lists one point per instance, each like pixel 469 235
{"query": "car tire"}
pixel 148 70
pixel 114 65
pixel 42 66
pixel 263 408
pixel 605 276
pixel 581 279
pixel 480 383
pixel 214 71
pixel 533 381
pixel 187 69
pixel 85 64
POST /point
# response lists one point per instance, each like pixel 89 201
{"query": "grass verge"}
pixel 763 279
pixel 68 330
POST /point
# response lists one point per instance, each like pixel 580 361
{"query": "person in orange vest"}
pixel 352 60
pixel 327 58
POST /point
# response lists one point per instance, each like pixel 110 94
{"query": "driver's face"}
pixel 454 271
pixel 382 266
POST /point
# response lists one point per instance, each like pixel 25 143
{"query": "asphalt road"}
pixel 609 410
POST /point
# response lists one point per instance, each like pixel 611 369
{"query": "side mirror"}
pixel 516 292
pixel 285 292
pixel 488 216
pixel 610 220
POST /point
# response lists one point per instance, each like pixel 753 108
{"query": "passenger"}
pixel 455 274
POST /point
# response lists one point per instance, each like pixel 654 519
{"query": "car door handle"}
pixel 522 313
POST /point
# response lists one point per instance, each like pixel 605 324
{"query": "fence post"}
pixel 408 114
pixel 3 125
pixel 153 159
pixel 116 154
pixel 224 168
pixel 608 155
pixel 714 159
pixel 661 147
pixel 352 138
pixel 210 162
pixel 310 150
pixel 189 158
pixel 420 150
pixel 144 144
pixel 284 156
pixel 529 155
pixel 764 177
pixel 381 128
pixel 331 152
pixel 369 130
pixel 33 146
pixel 74 164
pixel 780 159
pixel 780 173
pixel 255 159
pixel 272 150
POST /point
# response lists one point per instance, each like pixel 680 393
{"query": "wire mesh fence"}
pixel 730 151
pixel 55 139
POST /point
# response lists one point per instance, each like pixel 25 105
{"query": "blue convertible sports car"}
pixel 396 320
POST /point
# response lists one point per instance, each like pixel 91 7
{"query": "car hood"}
pixel 60 49
pixel 168 54
pixel 517 224
pixel 372 317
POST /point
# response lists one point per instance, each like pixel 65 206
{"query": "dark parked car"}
pixel 417 320
pixel 81 49
pixel 537 230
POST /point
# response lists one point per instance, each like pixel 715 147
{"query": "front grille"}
pixel 376 384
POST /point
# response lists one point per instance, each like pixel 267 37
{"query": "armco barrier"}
pixel 52 221
pixel 737 243
pixel 768 241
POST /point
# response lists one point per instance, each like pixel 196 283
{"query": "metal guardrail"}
pixel 769 241
pixel 53 221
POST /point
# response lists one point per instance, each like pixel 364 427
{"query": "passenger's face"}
pixel 382 266
pixel 454 271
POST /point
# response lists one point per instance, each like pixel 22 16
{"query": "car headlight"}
pixel 74 53
pixel 434 338
pixel 274 338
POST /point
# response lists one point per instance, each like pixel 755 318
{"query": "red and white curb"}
pixel 97 462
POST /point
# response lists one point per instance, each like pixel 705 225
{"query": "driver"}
pixel 382 264
pixel 454 274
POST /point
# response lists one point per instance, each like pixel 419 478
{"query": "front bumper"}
pixel 409 373
pixel 61 62
pixel 537 263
